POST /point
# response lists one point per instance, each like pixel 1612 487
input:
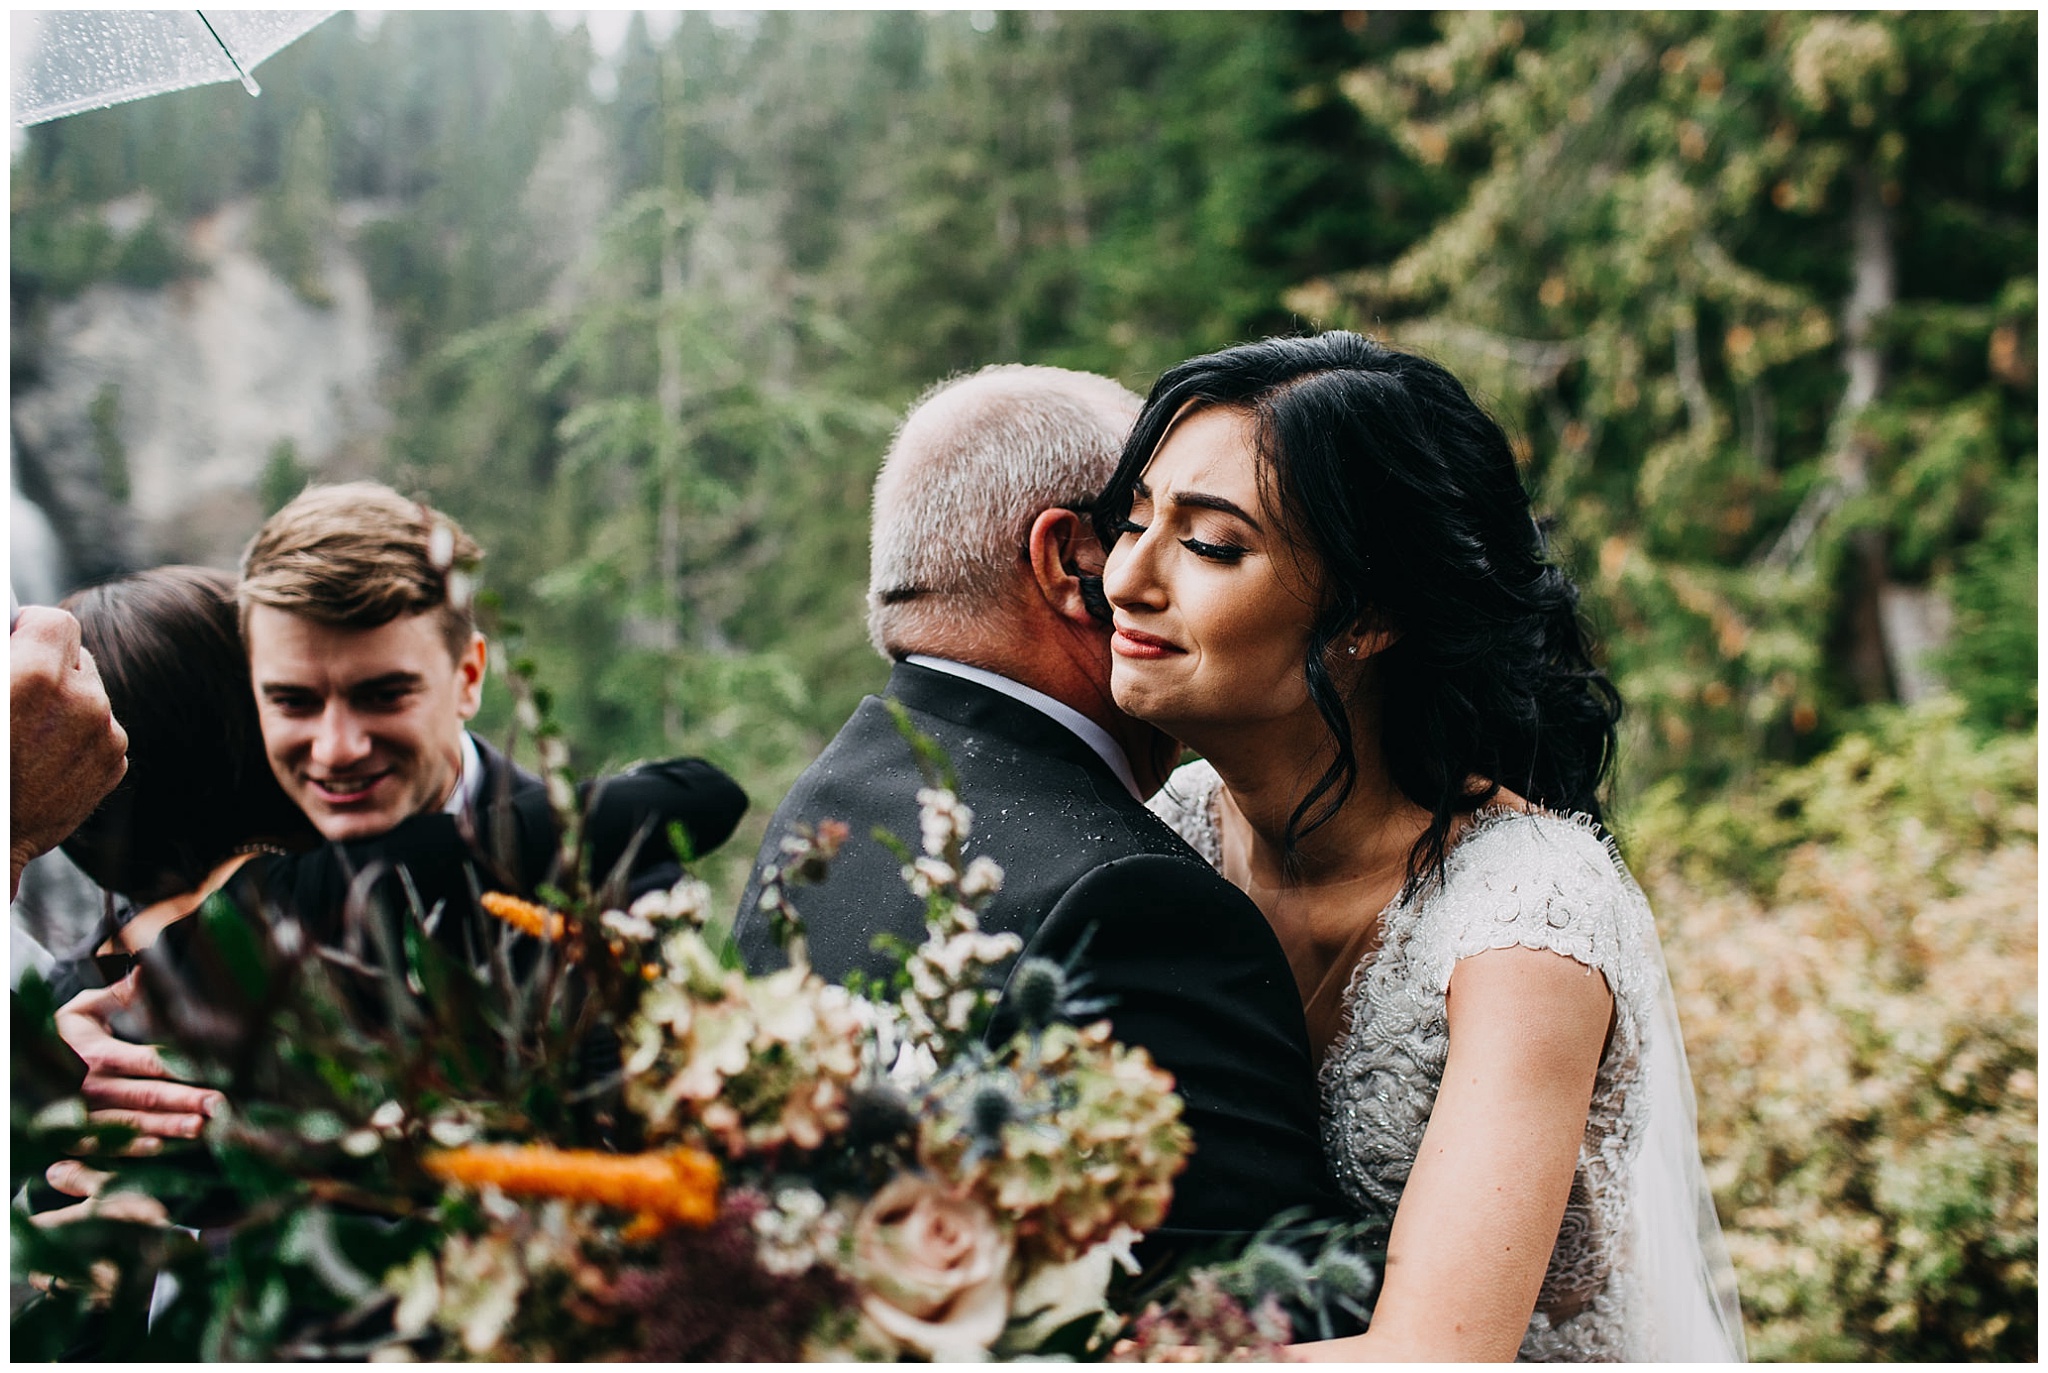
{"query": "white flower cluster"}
pixel 554 766
pixel 926 875
pixel 387 1122
pixel 948 978
pixel 946 982
pixel 627 925
pixel 806 854
pixel 688 900
pixel 441 546
pixel 474 1284
pixel 687 904
pixel 797 1230
pixel 947 972
pixel 454 1125
pixel 943 962
pixel 984 877
pixel 943 819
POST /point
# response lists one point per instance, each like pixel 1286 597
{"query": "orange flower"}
pixel 536 920
pixel 671 1187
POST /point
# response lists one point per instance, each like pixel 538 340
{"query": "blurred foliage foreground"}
pixel 1853 944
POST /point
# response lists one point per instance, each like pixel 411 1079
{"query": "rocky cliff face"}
pixel 154 414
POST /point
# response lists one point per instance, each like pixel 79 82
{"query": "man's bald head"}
pixel 975 462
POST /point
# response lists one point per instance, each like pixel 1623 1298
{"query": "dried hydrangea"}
pixel 1093 1144
pixel 757 1063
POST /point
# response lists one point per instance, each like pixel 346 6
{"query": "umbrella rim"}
pixel 121 95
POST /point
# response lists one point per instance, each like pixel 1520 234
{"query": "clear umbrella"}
pixel 65 61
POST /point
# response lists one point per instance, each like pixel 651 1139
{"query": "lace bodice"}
pixel 1539 881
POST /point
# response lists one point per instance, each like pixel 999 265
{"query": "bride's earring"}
pixel 1351 652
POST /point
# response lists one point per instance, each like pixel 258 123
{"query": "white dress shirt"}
pixel 470 783
pixel 1083 728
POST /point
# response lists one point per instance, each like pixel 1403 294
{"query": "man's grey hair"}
pixel 976 460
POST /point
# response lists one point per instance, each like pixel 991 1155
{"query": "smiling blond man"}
pixel 365 657
pixel 367 666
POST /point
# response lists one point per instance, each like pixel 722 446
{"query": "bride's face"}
pixel 1213 605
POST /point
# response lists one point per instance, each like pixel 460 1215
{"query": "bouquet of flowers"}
pixel 603 1139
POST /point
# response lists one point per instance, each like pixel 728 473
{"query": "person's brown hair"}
pixel 198 787
pixel 358 555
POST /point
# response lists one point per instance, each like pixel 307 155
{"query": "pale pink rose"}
pixel 933 1269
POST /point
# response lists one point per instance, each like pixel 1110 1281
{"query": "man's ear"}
pixel 469 675
pixel 1066 564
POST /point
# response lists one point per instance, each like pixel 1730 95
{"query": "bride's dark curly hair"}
pixel 1407 493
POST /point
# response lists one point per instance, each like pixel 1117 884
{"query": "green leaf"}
pixel 237 943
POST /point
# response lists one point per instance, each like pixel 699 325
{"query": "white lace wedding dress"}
pixel 1639 1272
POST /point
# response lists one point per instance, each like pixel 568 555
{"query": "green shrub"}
pixel 1992 661
pixel 1853 945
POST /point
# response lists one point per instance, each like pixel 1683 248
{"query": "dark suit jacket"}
pixel 1194 972
pixel 507 841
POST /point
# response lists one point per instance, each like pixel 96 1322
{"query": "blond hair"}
pixel 977 459
pixel 358 555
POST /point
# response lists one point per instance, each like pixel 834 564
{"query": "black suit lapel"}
pixel 502 776
pixel 509 824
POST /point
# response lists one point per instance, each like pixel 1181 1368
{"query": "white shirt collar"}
pixel 1083 728
pixel 471 781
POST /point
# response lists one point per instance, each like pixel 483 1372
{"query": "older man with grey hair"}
pixel 975 463
pixel 982 554
pixel 985 594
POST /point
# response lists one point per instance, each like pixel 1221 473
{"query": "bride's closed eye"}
pixel 1215 552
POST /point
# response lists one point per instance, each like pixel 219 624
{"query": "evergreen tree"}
pixel 1705 265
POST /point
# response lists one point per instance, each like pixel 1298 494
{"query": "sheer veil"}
pixel 1687 1281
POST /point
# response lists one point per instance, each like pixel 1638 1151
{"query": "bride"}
pixel 1326 580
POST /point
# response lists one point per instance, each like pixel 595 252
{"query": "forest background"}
pixel 1755 293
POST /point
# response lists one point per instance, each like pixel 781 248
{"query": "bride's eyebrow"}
pixel 1202 500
